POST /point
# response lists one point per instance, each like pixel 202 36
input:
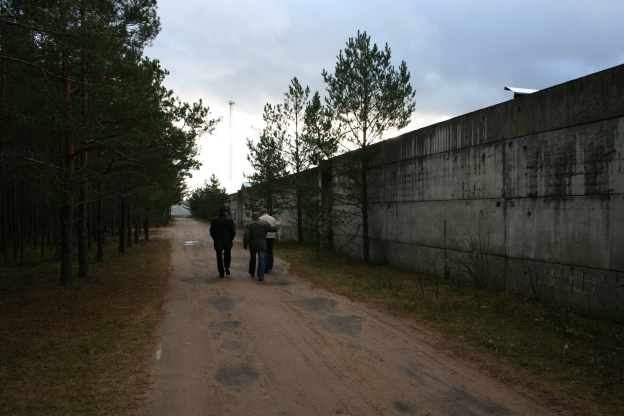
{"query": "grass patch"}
pixel 577 361
pixel 79 350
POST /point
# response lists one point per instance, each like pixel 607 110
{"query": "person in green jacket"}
pixel 255 239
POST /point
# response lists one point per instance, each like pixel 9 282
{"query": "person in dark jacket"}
pixel 255 239
pixel 223 231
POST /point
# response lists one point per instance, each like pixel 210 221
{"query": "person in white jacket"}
pixel 270 237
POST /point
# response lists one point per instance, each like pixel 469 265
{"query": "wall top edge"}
pixel 583 100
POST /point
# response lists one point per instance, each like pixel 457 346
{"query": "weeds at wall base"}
pixel 574 359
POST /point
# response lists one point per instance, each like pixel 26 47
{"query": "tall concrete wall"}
pixel 540 177
pixel 238 209
pixel 536 182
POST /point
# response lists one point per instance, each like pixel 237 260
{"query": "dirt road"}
pixel 236 346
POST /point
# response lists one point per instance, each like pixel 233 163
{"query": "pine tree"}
pixel 268 163
pixel 86 123
pixel 367 96
pixel 206 200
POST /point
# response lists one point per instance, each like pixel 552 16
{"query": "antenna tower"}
pixel 231 158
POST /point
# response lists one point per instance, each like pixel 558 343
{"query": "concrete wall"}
pixel 238 206
pixel 536 182
pixel 539 177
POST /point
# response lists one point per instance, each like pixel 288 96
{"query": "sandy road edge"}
pixel 145 379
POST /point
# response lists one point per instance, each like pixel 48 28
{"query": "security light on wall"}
pixel 520 91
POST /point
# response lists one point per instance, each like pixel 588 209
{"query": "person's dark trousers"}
pixel 224 258
pixel 269 254
pixel 252 262
pixel 261 263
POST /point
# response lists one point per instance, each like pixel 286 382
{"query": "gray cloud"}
pixel 460 54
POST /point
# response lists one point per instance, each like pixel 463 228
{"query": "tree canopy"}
pixel 205 201
pixel 297 135
pixel 87 128
pixel 367 96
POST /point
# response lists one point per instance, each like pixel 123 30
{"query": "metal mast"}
pixel 231 158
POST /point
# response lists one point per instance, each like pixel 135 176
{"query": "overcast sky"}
pixel 460 54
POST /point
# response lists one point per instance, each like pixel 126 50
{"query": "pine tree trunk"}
pixel 44 219
pixel 100 226
pixel 129 224
pixel 15 220
pixel 34 227
pixel 83 237
pixel 146 226
pixel 48 233
pixel 137 227
pixel 270 203
pixel 122 226
pixel 67 212
pixel 3 213
pixel 364 197
pixel 113 221
pixel 55 233
pixel 299 213
pixel 22 228
pixel 89 226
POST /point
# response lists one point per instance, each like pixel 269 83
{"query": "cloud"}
pixel 460 54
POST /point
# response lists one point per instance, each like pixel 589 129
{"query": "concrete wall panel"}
pixel 350 244
pixel 468 173
pixel 594 290
pixel 578 160
pixel 583 231
pixel 414 257
pixel 422 223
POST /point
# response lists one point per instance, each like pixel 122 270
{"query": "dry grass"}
pixel 79 350
pixel 574 360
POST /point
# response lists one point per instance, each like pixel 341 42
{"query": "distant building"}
pixel 180 211
pixel 237 202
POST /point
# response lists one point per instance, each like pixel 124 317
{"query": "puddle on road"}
pixel 191 243
pixel 405 408
pixel 225 326
pixel 237 375
pixel 237 346
pixel 222 304
pixel 352 348
pixel 349 325
pixel 416 374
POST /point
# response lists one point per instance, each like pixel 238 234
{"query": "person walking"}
pixel 223 231
pixel 270 237
pixel 255 239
